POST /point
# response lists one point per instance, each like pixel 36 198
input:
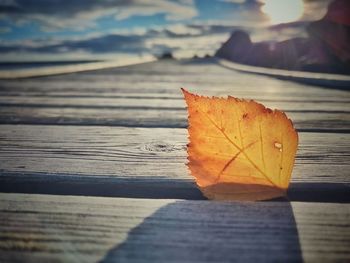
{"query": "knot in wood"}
pixel 161 147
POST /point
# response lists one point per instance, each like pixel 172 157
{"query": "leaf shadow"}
pixel 212 231
pixel 242 192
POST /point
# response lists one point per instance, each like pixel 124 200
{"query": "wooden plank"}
pixel 151 92
pixel 156 152
pixel 56 70
pixel 152 117
pixel 132 80
pixel 175 103
pixel 325 79
pixel 42 228
pixel 143 162
pixel 161 70
pixel 166 91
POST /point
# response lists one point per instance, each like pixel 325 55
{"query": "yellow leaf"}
pixel 239 149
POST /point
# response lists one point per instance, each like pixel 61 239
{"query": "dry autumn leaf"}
pixel 239 150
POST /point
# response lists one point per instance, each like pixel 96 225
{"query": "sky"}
pixel 54 30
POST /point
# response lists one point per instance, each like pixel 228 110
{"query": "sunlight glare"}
pixel 283 11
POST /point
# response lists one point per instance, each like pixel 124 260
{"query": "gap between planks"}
pixel 152 188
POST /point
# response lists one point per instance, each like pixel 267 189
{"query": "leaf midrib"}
pixel 238 148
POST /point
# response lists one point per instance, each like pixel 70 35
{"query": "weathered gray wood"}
pixel 42 228
pixel 175 103
pixel 129 91
pixel 82 67
pixel 151 117
pixel 150 162
pixel 151 92
pixel 165 77
pixel 325 79
pixel 143 152
pixel 149 88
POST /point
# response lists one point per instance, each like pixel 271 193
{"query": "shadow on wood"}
pixel 213 232
pixel 242 192
pixel 152 188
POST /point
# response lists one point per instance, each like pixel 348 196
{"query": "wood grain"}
pixel 156 152
pixel 41 228
pixel 151 117
pixel 165 78
pixel 143 162
pixel 156 102
pixel 151 92
pixel 75 153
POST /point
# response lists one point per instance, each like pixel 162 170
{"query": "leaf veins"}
pixel 258 161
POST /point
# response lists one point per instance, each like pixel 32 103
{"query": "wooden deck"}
pixel 92 168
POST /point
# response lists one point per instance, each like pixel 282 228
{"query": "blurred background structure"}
pixel 271 33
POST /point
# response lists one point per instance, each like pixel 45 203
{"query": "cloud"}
pixel 233 1
pixel 196 37
pixel 182 40
pixel 250 11
pixel 172 10
pixel 104 44
pixel 315 9
pixel 5 29
pixel 81 14
pixel 179 39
